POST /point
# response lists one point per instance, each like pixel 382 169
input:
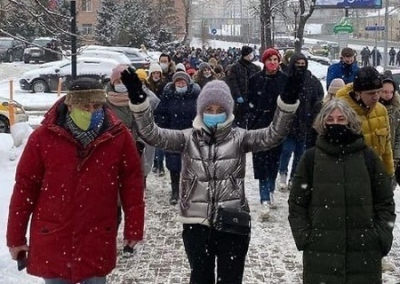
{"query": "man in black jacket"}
pixel 238 82
pixel 301 135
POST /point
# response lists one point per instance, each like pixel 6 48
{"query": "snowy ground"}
pixel 160 258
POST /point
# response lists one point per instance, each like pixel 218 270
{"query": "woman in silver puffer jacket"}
pixel 212 176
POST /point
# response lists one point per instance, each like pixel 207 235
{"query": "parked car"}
pixel 20 114
pixel 46 79
pixel 11 49
pixel 310 56
pixel 138 59
pixel 98 53
pixel 43 49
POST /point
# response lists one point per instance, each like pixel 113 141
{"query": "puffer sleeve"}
pixel 266 138
pixel 167 139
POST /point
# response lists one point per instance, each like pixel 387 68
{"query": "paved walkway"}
pixel 272 256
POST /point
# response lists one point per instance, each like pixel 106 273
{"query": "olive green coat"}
pixel 343 218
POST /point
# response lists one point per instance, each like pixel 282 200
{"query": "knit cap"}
pixel 215 92
pixel 116 72
pixel 367 79
pixel 268 53
pixel 203 66
pixel 84 91
pixel 180 67
pixel 335 85
pixel 181 75
pixel 246 50
pixel 155 67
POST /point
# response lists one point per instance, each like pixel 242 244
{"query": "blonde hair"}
pixel 354 124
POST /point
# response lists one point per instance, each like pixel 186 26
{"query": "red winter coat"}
pixel 71 194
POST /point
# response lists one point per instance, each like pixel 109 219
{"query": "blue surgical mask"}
pixel 181 90
pixel 212 120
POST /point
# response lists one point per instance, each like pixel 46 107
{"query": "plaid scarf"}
pixel 84 137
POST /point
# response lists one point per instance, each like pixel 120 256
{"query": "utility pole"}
pixel 73 39
pixel 385 46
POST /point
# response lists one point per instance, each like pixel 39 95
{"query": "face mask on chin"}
pixel 156 79
pixel 207 75
pixel 271 67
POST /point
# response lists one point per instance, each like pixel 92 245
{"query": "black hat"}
pixel 366 79
pixel 246 50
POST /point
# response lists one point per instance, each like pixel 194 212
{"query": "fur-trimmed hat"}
pixel 154 67
pixel 335 85
pixel 180 75
pixel 116 72
pixel 268 53
pixel 367 79
pixel 203 66
pixel 215 92
pixel 85 91
pixel 246 50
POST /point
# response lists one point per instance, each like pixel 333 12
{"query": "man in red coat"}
pixel 72 170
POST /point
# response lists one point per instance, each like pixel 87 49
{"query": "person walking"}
pixel 363 97
pixel 390 98
pixel 334 87
pixel 74 166
pixel 238 81
pixel 341 207
pixel 213 170
pixel 177 110
pixel 204 75
pixel 301 135
pixel 264 89
pixel 392 56
pixel 346 69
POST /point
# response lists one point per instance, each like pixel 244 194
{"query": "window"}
pixel 87 29
pixel 87 5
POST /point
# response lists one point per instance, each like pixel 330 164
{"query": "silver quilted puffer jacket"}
pixel 213 164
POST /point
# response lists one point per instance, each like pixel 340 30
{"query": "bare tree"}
pixel 306 10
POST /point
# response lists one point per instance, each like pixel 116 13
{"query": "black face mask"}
pixel 300 71
pixel 339 134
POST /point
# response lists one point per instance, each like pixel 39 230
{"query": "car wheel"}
pixel 26 60
pixel 10 58
pixel 40 86
pixel 4 124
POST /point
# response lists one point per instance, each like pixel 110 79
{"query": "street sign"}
pixel 344 26
pixel 375 28
pixel 214 31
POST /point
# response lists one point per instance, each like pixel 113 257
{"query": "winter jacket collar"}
pixel 340 150
pixel 218 134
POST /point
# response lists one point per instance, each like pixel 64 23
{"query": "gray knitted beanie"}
pixel 215 92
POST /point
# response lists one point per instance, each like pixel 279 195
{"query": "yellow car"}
pixel 20 115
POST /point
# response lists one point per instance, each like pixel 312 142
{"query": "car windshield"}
pixel 5 43
pixel 40 42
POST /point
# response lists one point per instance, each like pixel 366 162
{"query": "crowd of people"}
pixel 375 56
pixel 202 111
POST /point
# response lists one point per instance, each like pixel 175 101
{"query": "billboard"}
pixel 351 4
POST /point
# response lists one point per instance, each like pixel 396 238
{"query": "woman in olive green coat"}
pixel 341 208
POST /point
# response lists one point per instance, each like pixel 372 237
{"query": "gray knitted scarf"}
pixel 84 137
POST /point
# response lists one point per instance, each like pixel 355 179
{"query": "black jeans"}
pixel 203 245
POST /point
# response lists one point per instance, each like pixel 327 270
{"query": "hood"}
pixel 293 59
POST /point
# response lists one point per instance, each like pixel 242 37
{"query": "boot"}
pixel 175 187
pixel 282 182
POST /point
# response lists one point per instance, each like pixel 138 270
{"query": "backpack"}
pixel 309 161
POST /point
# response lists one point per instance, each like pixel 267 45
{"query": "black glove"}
pixel 292 89
pixel 134 85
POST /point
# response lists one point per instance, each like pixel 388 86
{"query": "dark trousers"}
pixel 203 245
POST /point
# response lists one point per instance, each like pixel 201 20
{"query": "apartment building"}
pixel 87 17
